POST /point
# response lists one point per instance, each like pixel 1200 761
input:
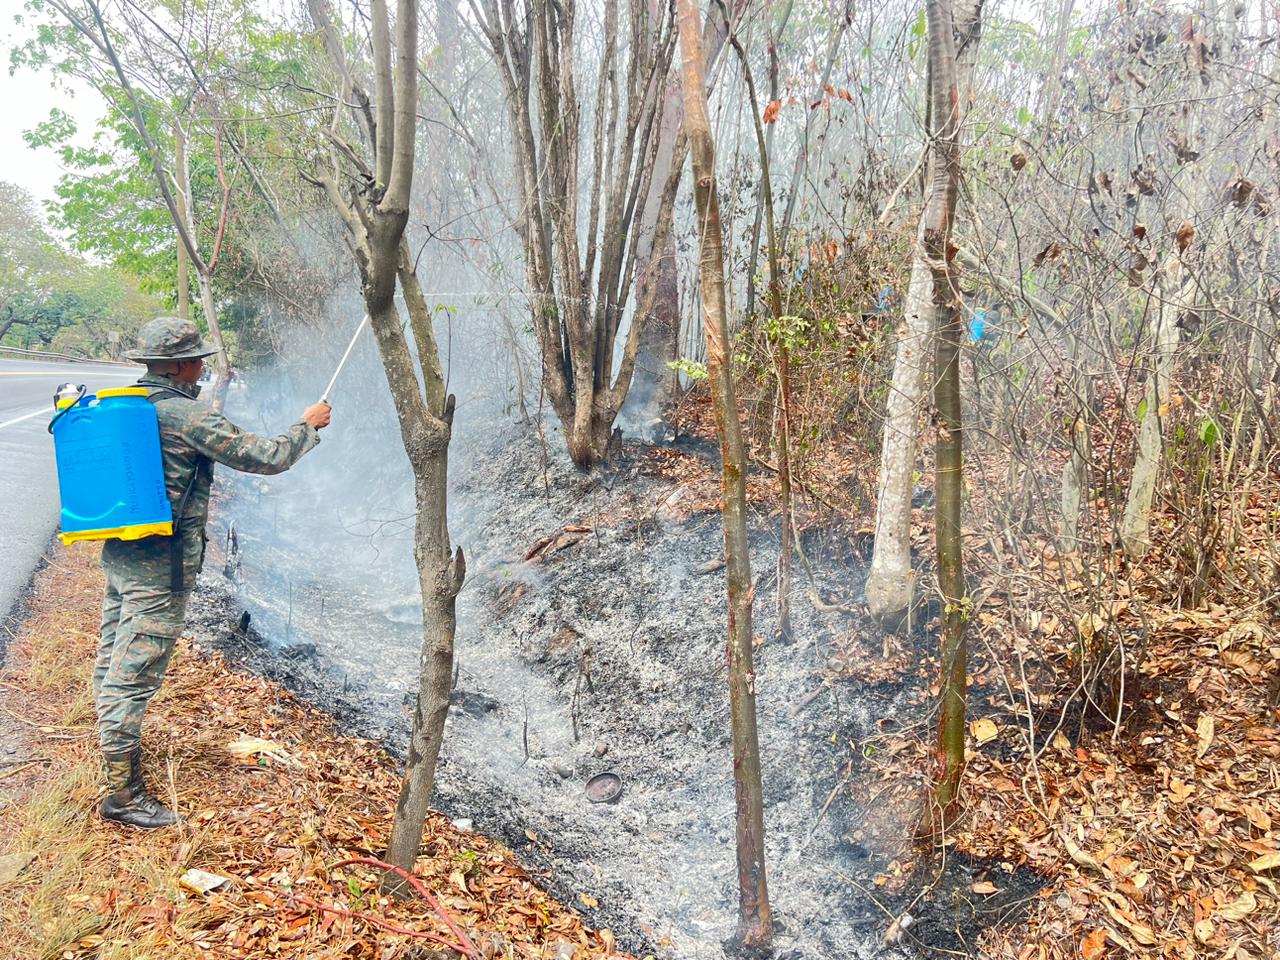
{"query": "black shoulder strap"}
pixel 177 575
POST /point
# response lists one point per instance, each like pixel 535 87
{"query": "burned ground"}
pixel 591 639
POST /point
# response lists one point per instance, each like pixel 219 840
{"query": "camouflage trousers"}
pixel 142 618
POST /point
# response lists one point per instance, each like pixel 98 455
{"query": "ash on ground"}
pixel 603 651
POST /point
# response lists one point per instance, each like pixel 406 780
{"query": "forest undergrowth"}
pixel 1124 735
pixel 275 801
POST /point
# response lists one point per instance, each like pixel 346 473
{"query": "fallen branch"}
pixel 470 948
pixel 16 770
pixel 43 726
pixel 804 704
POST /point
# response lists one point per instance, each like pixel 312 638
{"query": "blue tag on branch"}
pixel 977 324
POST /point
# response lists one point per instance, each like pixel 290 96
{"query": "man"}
pixel 149 580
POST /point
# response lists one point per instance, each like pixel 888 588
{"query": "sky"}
pixel 25 99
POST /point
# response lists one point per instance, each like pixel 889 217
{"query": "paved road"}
pixel 28 483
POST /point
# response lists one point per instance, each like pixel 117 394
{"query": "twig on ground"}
pixel 44 726
pixel 17 770
pixel 848 770
pixel 807 701
pixel 9 763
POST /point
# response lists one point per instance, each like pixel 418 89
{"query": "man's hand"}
pixel 317 415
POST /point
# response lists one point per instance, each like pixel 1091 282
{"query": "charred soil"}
pixel 592 641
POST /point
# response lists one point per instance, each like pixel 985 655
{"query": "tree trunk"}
pixel 654 385
pixel 755 924
pixel 440 576
pixel 204 273
pixel 1075 474
pixel 783 362
pixel 1075 481
pixel 184 278
pixel 935 236
pixel 581 271
pixel 890 588
pixel 222 368
pixel 186 233
pixel 376 224
pixel 891 581
pixel 1135 525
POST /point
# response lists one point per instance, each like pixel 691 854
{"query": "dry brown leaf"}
pixel 1204 930
pixel 1268 861
pixel 984 731
pixel 1240 907
pixel 1204 734
pixel 1118 907
pixel 1094 945
pixel 198 881
pixel 1078 855
pixel 985 887
pixel 1257 816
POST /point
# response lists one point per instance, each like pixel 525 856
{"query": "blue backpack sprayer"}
pixel 110 471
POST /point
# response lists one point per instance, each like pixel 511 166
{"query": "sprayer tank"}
pixel 110 471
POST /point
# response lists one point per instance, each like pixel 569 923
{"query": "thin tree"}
pixel 891 580
pixel 376 212
pixel 755 925
pixel 939 253
pixel 659 342
pixel 781 342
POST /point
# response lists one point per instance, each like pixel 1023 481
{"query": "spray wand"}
pixel 324 397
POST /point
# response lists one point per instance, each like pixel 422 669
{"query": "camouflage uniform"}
pixel 142 616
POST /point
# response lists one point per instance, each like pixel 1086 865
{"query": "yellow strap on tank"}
pixel 135 531
pixel 123 392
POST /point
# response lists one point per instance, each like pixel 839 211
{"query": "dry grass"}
pixel 271 828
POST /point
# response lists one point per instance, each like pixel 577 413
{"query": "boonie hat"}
pixel 171 338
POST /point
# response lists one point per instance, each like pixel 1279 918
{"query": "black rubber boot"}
pixel 127 800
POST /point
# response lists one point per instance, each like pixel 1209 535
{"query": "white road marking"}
pixel 25 416
pixel 67 373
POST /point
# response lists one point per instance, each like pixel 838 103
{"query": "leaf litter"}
pixel 283 821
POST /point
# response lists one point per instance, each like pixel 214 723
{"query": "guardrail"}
pixel 45 355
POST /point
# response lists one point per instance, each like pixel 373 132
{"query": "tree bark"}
pixel 184 277
pixel 890 588
pixel 946 107
pixel 376 223
pixel 755 924
pixel 1135 525
pixel 783 361
pixel 891 580
pixel 654 385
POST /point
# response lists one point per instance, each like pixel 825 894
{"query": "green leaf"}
pixel 920 26
pixel 1209 432
pixel 690 368
pixel 1141 413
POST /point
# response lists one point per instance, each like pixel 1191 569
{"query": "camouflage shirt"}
pixel 189 429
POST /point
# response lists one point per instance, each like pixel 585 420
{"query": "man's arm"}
pixel 220 440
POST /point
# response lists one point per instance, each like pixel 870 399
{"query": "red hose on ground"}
pixel 468 948
pixel 379 923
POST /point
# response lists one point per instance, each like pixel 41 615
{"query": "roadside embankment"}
pixel 273 799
